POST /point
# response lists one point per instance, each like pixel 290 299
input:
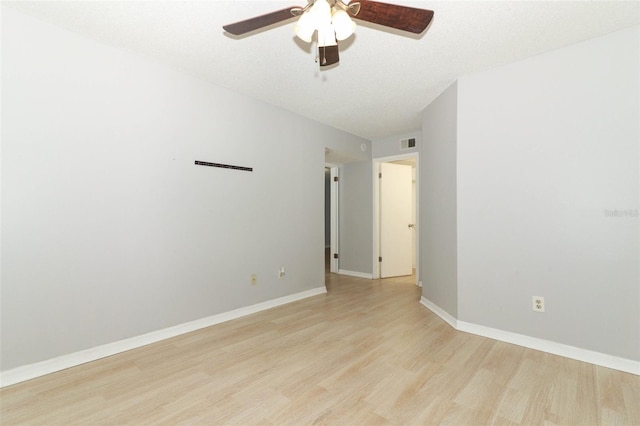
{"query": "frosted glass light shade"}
pixel 331 25
pixel 318 16
pixel 342 24
pixel 321 12
pixel 305 27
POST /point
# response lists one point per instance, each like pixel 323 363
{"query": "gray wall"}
pixel 546 147
pixel 109 230
pixel 390 146
pixel 356 217
pixel 438 204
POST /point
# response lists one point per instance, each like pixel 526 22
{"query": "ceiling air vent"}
pixel 407 144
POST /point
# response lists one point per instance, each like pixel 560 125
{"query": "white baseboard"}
pixel 585 355
pixel 444 315
pixel 31 371
pixel 355 274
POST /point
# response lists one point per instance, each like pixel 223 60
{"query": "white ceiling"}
pixel 383 80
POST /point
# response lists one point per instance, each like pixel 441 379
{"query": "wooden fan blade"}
pixel 328 55
pixel 248 25
pixel 403 18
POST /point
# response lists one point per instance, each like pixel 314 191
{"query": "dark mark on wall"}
pixel 223 166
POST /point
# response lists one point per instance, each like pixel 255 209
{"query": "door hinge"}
pixel 380 259
pixel 380 175
pixel 335 255
pixel 335 178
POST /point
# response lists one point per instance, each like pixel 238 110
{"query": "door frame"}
pixel 376 210
pixel 334 218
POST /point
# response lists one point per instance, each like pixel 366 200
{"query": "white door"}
pixel 396 228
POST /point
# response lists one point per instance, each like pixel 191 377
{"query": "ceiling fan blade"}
pixel 328 55
pixel 248 25
pixel 403 18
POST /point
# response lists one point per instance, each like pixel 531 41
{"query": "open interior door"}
pixel 396 227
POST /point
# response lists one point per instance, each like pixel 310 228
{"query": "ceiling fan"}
pixel 331 19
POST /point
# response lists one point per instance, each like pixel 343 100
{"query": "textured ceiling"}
pixel 383 80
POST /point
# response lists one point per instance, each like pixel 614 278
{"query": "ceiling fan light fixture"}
pixel 326 36
pixel 342 24
pixel 321 12
pixel 316 17
pixel 305 27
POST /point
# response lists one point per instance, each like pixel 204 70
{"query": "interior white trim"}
pixel 444 315
pixel 355 274
pixel 334 263
pixel 31 371
pixel 585 355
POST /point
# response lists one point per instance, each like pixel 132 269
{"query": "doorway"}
pixel 395 216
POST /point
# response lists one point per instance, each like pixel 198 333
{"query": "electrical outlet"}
pixel 538 304
pixel 281 272
pixel 254 279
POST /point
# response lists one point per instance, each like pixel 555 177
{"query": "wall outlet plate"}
pixel 538 303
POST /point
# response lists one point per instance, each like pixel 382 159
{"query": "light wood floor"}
pixel 366 353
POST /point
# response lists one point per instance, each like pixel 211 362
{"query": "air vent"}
pixel 407 144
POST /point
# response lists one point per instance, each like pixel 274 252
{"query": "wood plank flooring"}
pixel 366 353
